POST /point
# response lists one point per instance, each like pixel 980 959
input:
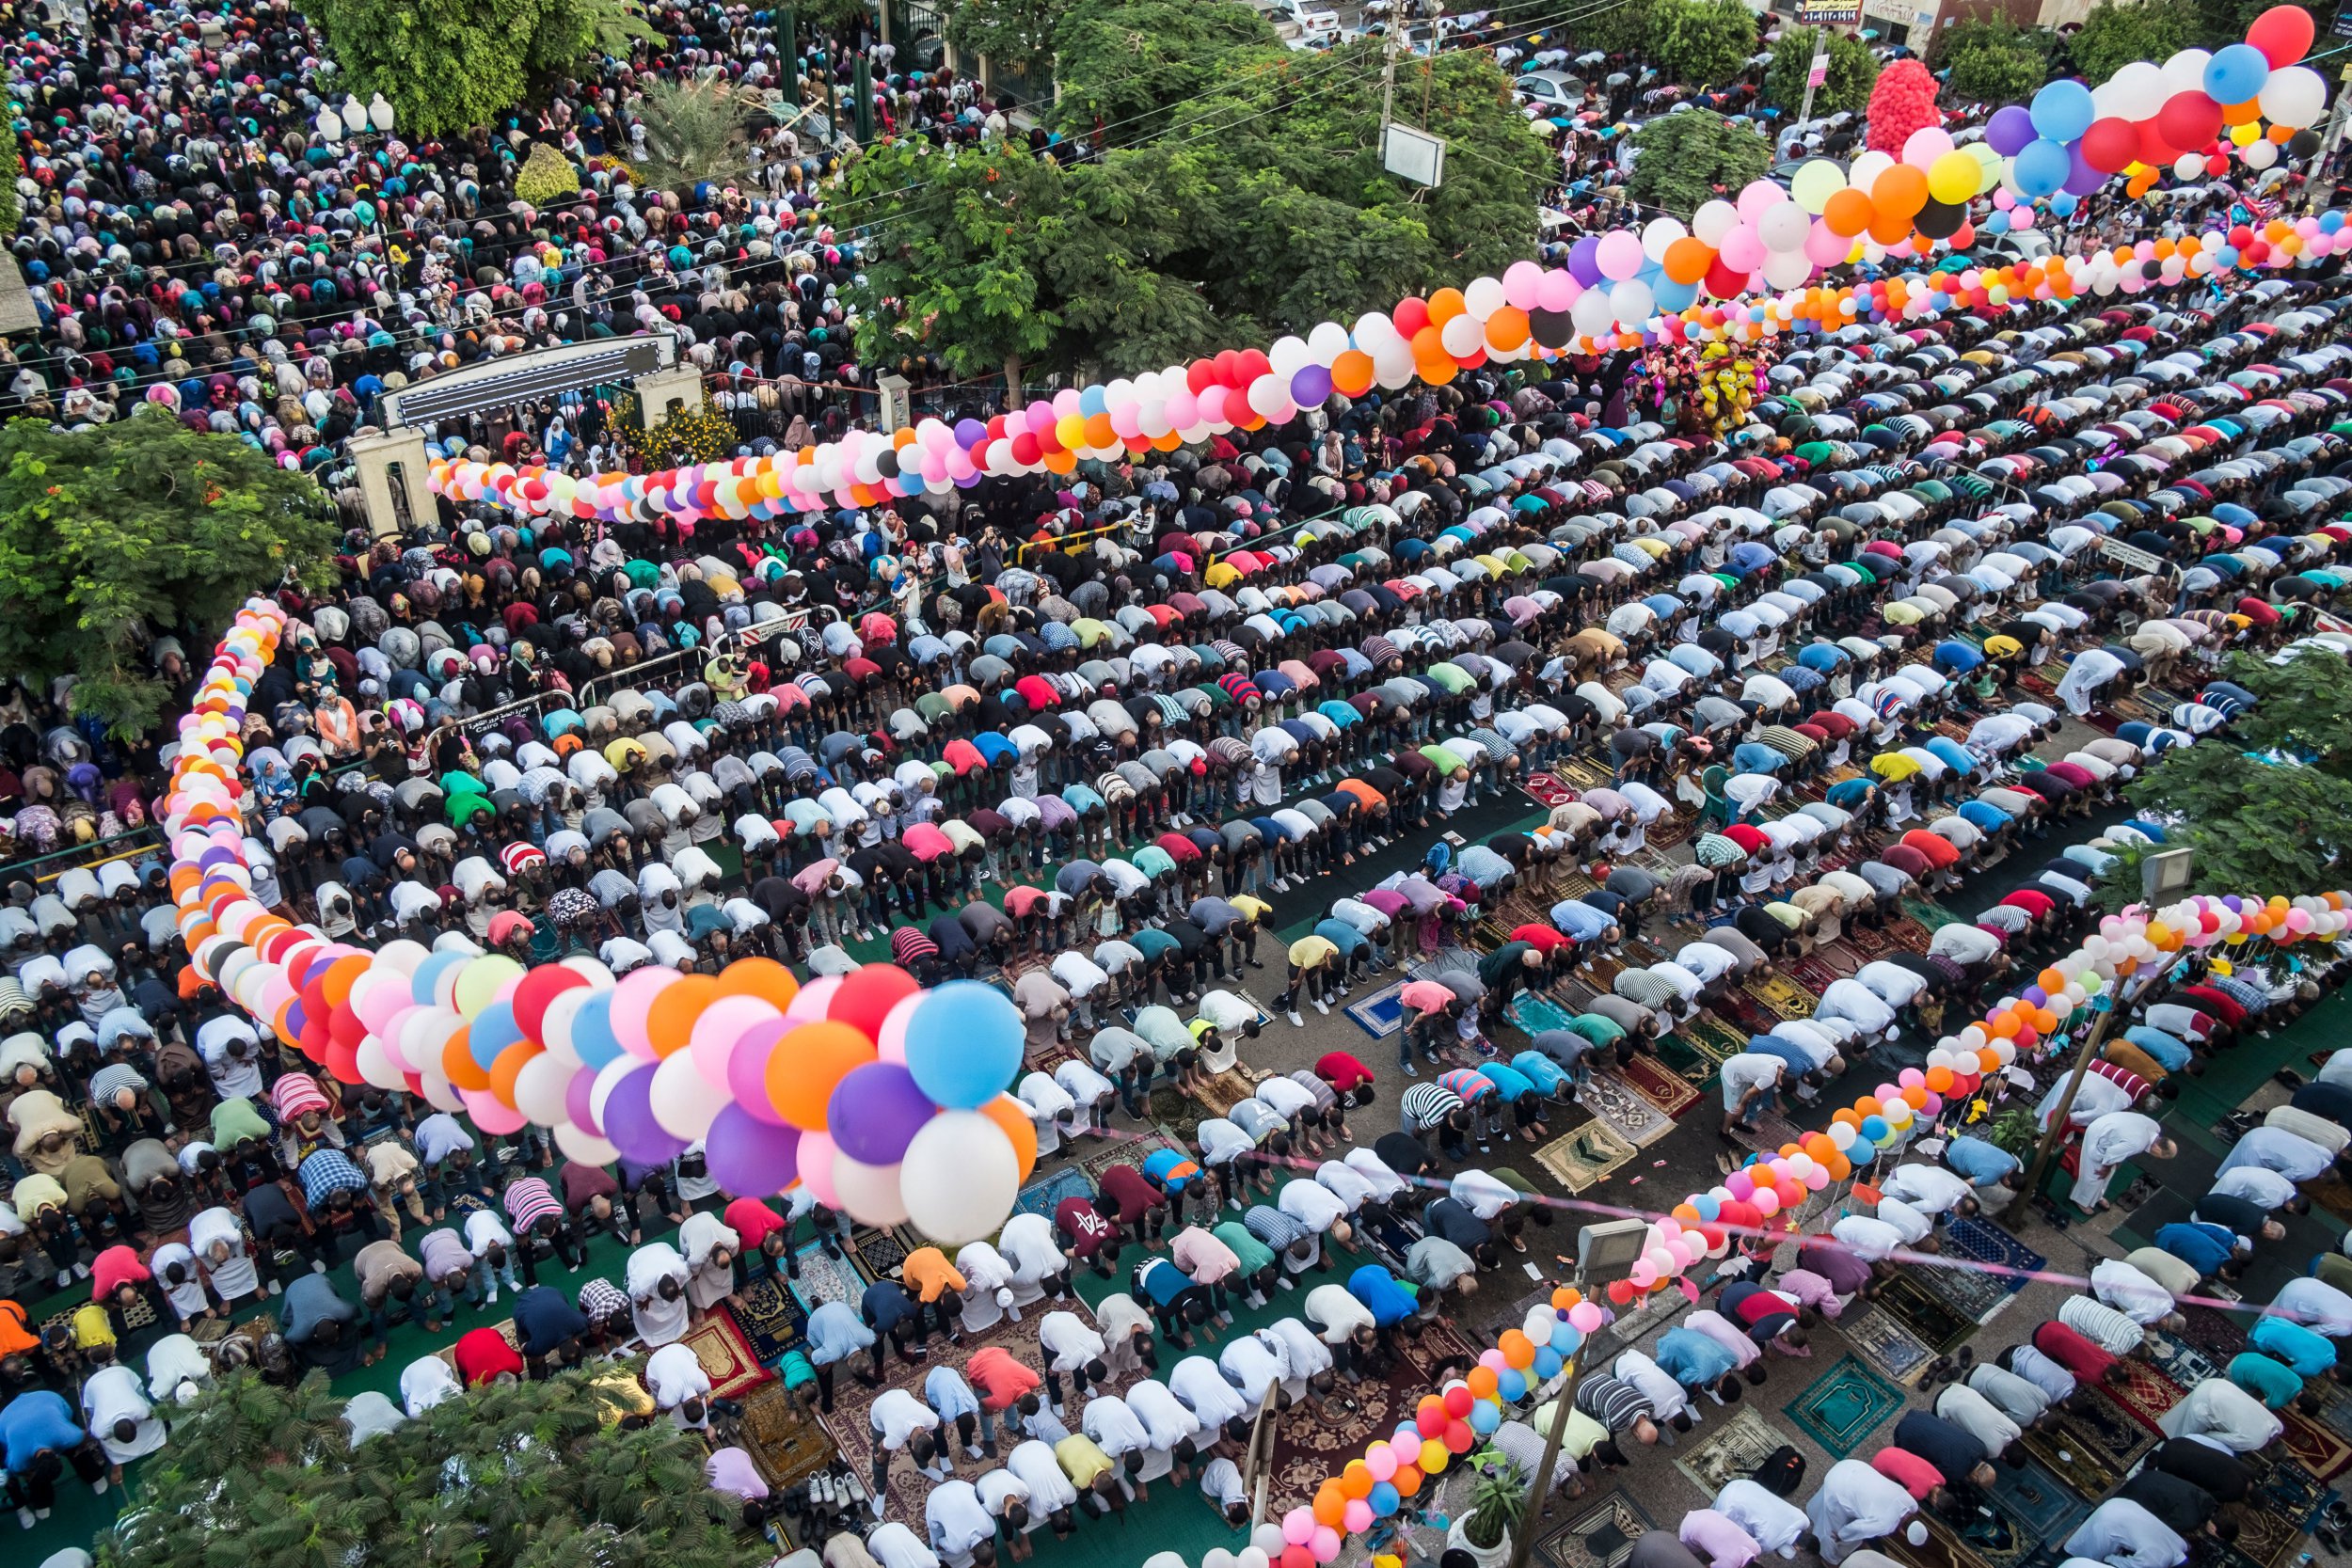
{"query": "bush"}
pixel 546 177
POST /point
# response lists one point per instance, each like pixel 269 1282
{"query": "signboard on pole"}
pixel 1839 13
pixel 2343 20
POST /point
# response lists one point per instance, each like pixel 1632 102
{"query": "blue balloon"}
pixel 1512 1384
pixel 964 1043
pixel 2225 256
pixel 2043 167
pixel 1995 222
pixel 1874 1127
pixel 1094 400
pixel 593 1041
pixel 2330 222
pixel 422 981
pixel 493 1030
pixel 2062 110
pixel 1565 1338
pixel 2063 204
pixel 1548 1363
pixel 1672 296
pixel 2236 73
pixel 1708 1206
pixel 1484 1416
pixel 1385 1499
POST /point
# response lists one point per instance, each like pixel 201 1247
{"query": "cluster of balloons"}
pixel 887 1100
pixel 1445 1425
pixel 2187 116
pixel 1925 192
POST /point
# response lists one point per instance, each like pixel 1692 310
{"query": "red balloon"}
pixel 2240 236
pixel 538 989
pixel 2154 151
pixel 1620 1291
pixel 2110 144
pixel 2282 33
pixel 1298 1557
pixel 1458 1437
pixel 1430 1420
pixel 866 996
pixel 2217 166
pixel 1725 282
pixel 1458 1400
pixel 1254 364
pixel 1199 376
pixel 2255 254
pixel 2188 120
pixel 1410 315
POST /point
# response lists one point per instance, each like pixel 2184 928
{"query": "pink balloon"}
pixel 1356 1518
pixel 1740 1184
pixel 1380 1460
pixel 1523 281
pixel 1557 292
pixel 632 999
pixel 1824 246
pixel 1741 251
pixel 1324 1543
pixel 489 1115
pixel 719 1028
pixel 809 1005
pixel 816 1157
pixel 1298 1526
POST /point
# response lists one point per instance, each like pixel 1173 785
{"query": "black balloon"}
pixel 1551 328
pixel 888 464
pixel 1940 220
pixel 2303 144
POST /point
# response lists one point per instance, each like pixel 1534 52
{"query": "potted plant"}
pixel 1497 1505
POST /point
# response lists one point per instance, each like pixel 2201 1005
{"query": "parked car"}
pixel 1549 90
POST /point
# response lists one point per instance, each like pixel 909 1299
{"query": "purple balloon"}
pixel 970 433
pixel 2082 179
pixel 1311 386
pixel 1584 259
pixel 576 1104
pixel 2010 130
pixel 2036 995
pixel 747 1070
pixel 749 1158
pixel 876 1111
pixel 629 1125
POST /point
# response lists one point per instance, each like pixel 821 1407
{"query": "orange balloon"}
pixel 1901 191
pixel 1445 305
pixel 2051 980
pixel 1988 1060
pixel 1867 1106
pixel 1889 230
pixel 806 1066
pixel 1437 372
pixel 670 1022
pixel 1013 1116
pixel 1482 1382
pixel 1850 1117
pixel 458 1066
pixel 511 1061
pixel 1939 1079
pixel 1352 372
pixel 1519 1350
pixel 1331 1504
pixel 1507 329
pixel 1355 1481
pixel 1407 1481
pixel 1848 212
pixel 1688 259
pixel 1426 344
pixel 1915 1097
pixel 1099 431
pixel 762 977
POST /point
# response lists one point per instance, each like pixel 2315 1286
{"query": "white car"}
pixel 1553 91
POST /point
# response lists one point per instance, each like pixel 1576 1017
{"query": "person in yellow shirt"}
pixel 938 1292
pixel 1315 969
pixel 1093 1473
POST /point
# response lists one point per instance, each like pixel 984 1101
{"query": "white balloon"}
pixel 1866 170
pixel 1326 342
pixel 2185 71
pixel 2294 96
pixel 1267 394
pixel 1288 356
pixel 1484 296
pixel 961 1176
pixel 871 1193
pixel 1714 220
pixel 1787 269
pixel 1590 313
pixel 1462 336
pixel 539 1088
pixel 1391 366
pixel 2135 92
pixel 1373 330
pixel 2189 166
pixel 684 1102
pixel 1631 302
pixel 1784 227
pixel 580 1143
pixel 1659 233
pixel 376 1068
pixel 2261 154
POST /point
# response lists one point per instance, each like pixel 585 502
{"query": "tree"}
pixel 2116 32
pixel 2268 808
pixel 532 1475
pixel 1703 43
pixel 1853 69
pixel 113 536
pixel 449 65
pixel 1683 160
pixel 1018 35
pixel 694 130
pixel 1994 61
pixel 1128 64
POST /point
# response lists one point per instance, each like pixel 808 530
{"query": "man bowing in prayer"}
pixel 2117 1136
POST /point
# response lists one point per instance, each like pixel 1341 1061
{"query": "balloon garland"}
pixel 1741 271
pixel 885 1100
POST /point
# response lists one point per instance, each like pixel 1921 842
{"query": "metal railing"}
pixel 138 841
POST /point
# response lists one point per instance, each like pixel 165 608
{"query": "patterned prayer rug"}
pixel 2041 1501
pixel 2316 1446
pixel 1382 1013
pixel 1781 996
pixel 787 1444
pixel 1733 1448
pixel 1630 1115
pixel 1546 790
pixel 2180 1361
pixel 1974 1294
pixel 2093 1445
pixel 1585 1157
pixel 1654 1082
pixel 728 1359
pixel 2278 1512
pixel 825 1277
pixel 1989 1243
pixel 1599 1533
pixel 1937 1323
pixel 879 1253
pixel 2144 1391
pixel 772 1320
pixel 1046 1193
pixel 1844 1405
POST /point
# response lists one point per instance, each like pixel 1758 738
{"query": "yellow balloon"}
pixel 1071 431
pixel 1953 178
pixel 2245 135
pixel 1434 1457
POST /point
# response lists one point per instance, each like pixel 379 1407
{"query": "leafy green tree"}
pixel 1128 64
pixel 1018 35
pixel 2269 808
pixel 2116 32
pixel 1611 30
pixel 816 17
pixel 113 536
pixel 1686 159
pixel 695 131
pixel 1846 89
pixel 12 164
pixel 1994 61
pixel 1702 43
pixel 449 65
pixel 533 1475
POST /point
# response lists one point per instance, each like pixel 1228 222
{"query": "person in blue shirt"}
pixel 953 1401
pixel 2275 1386
pixel 1356 955
pixel 1514 1089
pixel 40 1437
pixel 1390 1303
pixel 1699 1363
pixel 2169 1051
pixel 2210 1249
pixel 549 1325
pixel 1983 1164
pixel 1178 1301
pixel 1545 1075
pixel 2310 1352
pixel 834 1335
pixel 1176 1173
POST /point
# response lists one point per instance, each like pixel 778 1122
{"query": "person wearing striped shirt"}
pixel 1618 1405
pixel 1432 1108
pixel 1299 1246
pixel 537 1219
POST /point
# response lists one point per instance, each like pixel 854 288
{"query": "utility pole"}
pixel 1816 71
pixel 1540 1482
pixel 1393 48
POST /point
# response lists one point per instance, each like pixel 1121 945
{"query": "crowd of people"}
pixel 1092 772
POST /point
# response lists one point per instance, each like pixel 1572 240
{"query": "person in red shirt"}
pixel 1914 1475
pixel 1349 1078
pixel 1131 1203
pixel 2077 1355
pixel 766 1235
pixel 1085 1234
pixel 482 1355
pixel 1000 1381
